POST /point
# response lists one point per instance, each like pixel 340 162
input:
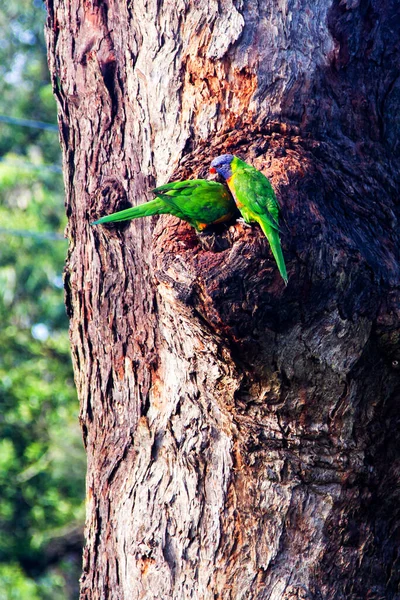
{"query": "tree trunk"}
pixel 242 437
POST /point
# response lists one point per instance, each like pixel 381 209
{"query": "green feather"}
pixel 154 207
pixel 198 201
pixel 256 200
pixel 272 236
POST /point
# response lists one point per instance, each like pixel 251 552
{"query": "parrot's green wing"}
pixel 198 201
pixel 254 192
pixel 256 201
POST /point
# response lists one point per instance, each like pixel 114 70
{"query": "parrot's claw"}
pixel 243 222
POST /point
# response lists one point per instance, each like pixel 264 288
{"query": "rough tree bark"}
pixel 242 438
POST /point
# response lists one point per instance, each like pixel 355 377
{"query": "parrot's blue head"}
pixel 222 165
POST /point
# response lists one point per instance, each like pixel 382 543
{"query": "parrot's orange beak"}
pixel 213 170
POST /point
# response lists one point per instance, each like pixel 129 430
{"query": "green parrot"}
pixel 255 198
pixel 198 201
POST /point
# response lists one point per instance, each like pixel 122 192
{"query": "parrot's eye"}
pixel 395 364
pixel 213 170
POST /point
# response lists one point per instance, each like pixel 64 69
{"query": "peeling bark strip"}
pixel 242 438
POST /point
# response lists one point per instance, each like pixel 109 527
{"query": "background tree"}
pixel 41 455
pixel 242 437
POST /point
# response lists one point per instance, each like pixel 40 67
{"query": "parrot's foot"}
pixel 243 222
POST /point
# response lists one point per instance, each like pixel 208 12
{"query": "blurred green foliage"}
pixel 42 462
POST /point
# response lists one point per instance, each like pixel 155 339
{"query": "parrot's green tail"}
pixel 154 207
pixel 273 237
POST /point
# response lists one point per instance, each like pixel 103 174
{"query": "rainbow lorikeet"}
pixel 255 198
pixel 198 201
